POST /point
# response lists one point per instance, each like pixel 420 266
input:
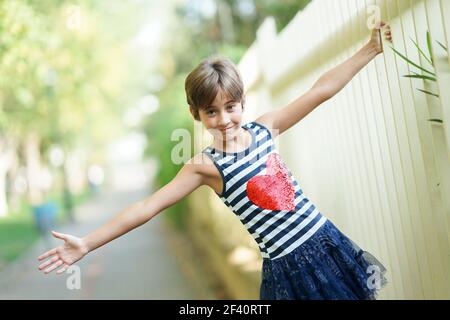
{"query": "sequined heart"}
pixel 273 191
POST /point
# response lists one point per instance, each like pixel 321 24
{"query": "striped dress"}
pixel 305 256
pixel 265 196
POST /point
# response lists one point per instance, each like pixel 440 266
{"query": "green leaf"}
pixel 421 51
pixel 430 47
pixel 436 120
pixel 428 92
pixel 419 76
pixel 443 47
pixel 412 63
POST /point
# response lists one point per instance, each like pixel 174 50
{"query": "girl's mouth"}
pixel 227 129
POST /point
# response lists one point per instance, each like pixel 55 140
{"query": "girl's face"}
pixel 223 117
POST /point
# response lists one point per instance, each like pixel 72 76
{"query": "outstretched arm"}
pixel 328 85
pixel 187 180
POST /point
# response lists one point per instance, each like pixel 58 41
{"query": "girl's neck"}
pixel 242 140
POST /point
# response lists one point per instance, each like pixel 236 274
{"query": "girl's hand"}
pixel 376 40
pixel 70 252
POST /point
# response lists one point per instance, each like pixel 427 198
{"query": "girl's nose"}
pixel 224 120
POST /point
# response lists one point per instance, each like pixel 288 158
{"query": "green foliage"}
pixel 430 47
pixel 17 233
pixel 283 11
pixel 16 236
pixel 442 46
pixel 65 83
pixel 416 65
pixel 173 114
pixel 210 35
pixel 429 75
pixel 55 79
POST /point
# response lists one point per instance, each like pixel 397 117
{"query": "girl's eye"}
pixel 210 112
pixel 232 106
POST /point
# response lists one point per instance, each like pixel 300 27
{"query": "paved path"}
pixel 138 265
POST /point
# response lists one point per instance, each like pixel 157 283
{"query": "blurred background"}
pixel 84 86
pixel 92 91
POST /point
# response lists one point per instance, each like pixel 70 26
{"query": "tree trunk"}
pixel 33 167
pixel 13 196
pixel 6 161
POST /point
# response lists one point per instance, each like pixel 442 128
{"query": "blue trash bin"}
pixel 45 216
pixel 93 188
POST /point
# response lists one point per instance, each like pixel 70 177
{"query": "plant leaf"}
pixel 428 92
pixel 423 75
pixel 419 76
pixel 430 47
pixel 412 63
pixel 436 120
pixel 421 51
pixel 443 47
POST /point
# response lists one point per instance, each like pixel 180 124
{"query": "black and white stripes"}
pixel 277 232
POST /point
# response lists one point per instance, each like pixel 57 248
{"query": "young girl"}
pixel 304 255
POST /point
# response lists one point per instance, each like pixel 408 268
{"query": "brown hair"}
pixel 204 82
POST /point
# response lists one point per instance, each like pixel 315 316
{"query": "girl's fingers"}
pixel 54 266
pixel 47 254
pixel 382 24
pixel 48 262
pixel 59 235
pixel 63 268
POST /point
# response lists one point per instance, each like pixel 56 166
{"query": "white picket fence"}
pixel 369 158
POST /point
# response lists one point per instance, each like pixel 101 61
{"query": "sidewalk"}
pixel 138 265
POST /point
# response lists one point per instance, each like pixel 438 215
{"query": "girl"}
pixel 304 255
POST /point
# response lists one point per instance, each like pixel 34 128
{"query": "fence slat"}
pixel 369 158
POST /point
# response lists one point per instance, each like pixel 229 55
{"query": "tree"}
pixel 60 82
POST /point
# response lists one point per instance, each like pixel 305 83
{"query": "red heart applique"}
pixel 275 190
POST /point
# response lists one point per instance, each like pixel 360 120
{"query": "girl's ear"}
pixel 196 117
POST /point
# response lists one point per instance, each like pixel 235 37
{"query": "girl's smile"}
pixel 223 120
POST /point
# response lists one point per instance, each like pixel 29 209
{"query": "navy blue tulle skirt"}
pixel 328 266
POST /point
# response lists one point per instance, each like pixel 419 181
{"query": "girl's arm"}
pixel 328 85
pixel 187 180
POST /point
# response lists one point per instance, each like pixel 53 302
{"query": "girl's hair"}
pixel 204 82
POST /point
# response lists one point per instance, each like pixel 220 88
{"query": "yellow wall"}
pixel 368 158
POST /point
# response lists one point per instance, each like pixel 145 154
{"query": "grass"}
pixel 18 231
